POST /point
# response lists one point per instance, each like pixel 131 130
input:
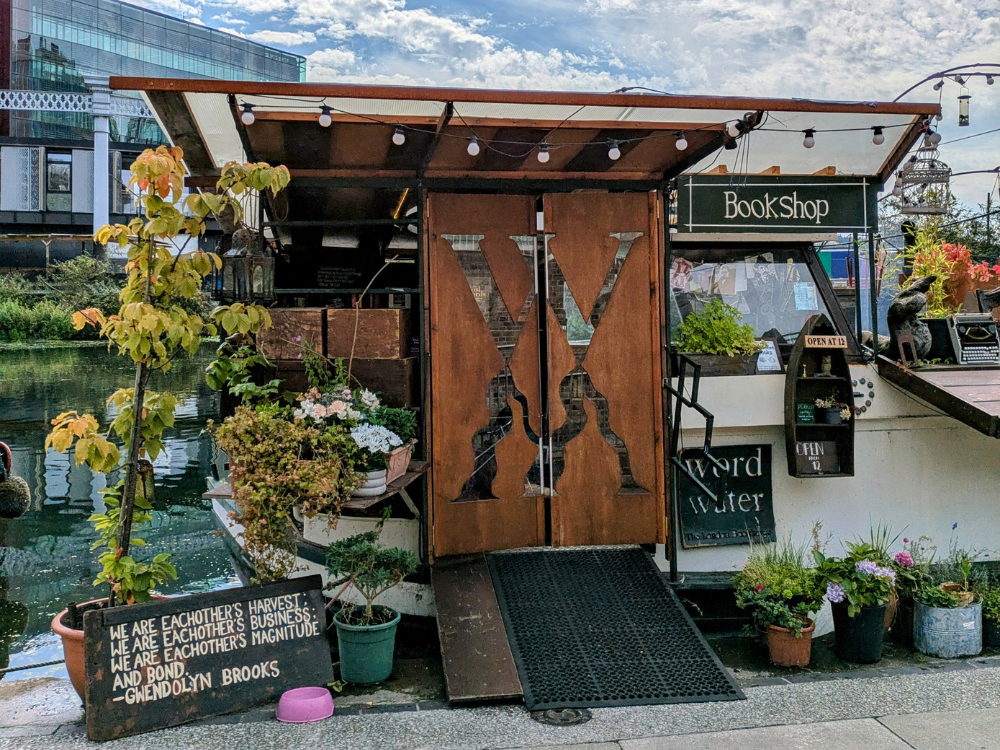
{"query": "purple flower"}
pixel 904 559
pixel 867 566
pixel 835 592
pixel 954 526
pixel 298 339
pixel 886 573
pixel 905 540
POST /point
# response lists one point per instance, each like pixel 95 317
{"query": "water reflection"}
pixel 45 558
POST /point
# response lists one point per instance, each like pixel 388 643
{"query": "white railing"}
pixel 60 101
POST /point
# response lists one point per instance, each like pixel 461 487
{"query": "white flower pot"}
pixel 372 485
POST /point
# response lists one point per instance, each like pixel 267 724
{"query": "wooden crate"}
pixel 382 333
pixel 287 324
pixel 397 380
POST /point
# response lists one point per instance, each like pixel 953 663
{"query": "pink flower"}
pixel 758 588
pixel 905 540
pixel 300 356
pixel 297 339
pixel 904 560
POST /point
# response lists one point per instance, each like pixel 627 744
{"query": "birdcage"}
pixel 924 182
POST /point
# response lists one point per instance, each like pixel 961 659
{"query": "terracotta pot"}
pixel 786 649
pixel 73 647
pixel 399 462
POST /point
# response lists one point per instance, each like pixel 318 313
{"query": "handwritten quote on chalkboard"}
pixel 742 513
pixel 167 662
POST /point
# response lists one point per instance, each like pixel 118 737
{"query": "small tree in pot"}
pixel 781 594
pixel 366 635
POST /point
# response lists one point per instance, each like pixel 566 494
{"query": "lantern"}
pixel 244 278
pixel 963 107
pixel 925 181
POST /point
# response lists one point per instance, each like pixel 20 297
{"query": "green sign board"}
pixel 710 204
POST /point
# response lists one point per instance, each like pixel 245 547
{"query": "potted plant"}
pixel 947 619
pixel 781 594
pixel 719 340
pixel 153 327
pixel 402 423
pixel 831 411
pixel 858 589
pixel 911 567
pixel 366 635
pixel 988 593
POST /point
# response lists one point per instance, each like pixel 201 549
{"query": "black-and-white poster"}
pixel 743 512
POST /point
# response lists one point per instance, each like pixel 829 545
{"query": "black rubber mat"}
pixel 601 627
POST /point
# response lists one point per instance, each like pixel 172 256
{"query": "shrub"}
pixel 372 569
pixel 46 320
pixel 83 282
pixel 778 587
pixel 718 329
pixel 15 287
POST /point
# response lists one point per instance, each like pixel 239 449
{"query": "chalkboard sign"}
pixel 744 512
pixel 167 662
pixel 817 457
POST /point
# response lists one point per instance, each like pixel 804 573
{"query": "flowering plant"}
pixel 375 442
pixel 858 583
pixel 777 587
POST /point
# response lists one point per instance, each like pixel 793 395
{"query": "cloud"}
pixel 283 38
pixel 227 17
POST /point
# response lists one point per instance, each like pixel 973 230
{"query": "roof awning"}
pixel 357 149
pixel 970 395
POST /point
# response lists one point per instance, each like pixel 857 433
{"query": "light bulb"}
pixel 614 153
pixel 939 85
pixel 325 120
pixel 959 80
pixel 473 148
pixel 810 140
pixel 681 142
pixel 934 138
pixel 399 137
pixel 897 190
pixel 247 117
pixel 989 80
pixel 878 138
pixel 734 129
pixel 543 153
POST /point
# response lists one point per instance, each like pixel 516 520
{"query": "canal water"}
pixel 45 557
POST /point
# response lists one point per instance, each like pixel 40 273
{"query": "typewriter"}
pixel 974 339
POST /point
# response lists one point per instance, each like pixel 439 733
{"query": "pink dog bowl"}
pixel 303 705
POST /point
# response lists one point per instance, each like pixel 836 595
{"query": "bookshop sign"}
pixel 709 204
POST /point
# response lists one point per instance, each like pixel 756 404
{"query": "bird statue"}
pixel 15 495
pixel 904 317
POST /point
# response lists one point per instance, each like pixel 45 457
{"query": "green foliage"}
pixel 278 462
pixel 83 282
pixel 133 581
pixel 777 586
pixel 988 593
pixel 235 367
pixel 718 329
pixel 861 589
pixel 317 368
pixel 935 596
pixel 371 569
pixel 45 320
pixel 15 287
pixel 401 421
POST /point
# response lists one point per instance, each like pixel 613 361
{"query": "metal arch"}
pixel 62 101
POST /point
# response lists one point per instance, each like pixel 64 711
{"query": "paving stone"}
pixel 973 729
pixel 834 735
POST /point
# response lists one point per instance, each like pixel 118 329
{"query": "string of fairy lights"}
pixel 543 148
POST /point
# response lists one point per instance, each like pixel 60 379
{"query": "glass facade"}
pixel 54 43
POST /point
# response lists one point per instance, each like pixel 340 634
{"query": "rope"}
pixel 31 666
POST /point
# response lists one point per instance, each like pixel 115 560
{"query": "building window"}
pixel 58 181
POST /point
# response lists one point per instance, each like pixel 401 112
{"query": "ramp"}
pixel 592 627
pixel 969 394
pixel 478 664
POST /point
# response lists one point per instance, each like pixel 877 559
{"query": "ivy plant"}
pixel 718 329
pixel 153 327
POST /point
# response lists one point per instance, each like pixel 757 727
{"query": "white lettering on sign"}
pixel 826 342
pixel 778 207
pixel 149 657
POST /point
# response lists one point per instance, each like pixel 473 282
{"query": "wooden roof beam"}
pixel 442 123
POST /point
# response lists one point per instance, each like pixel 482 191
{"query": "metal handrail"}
pixel 675 428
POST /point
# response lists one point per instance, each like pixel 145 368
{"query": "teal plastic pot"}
pixel 366 650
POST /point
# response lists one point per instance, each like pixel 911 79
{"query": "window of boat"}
pixel 772 286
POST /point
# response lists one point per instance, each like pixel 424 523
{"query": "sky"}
pixel 860 50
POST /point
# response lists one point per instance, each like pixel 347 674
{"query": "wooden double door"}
pixel 545 370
